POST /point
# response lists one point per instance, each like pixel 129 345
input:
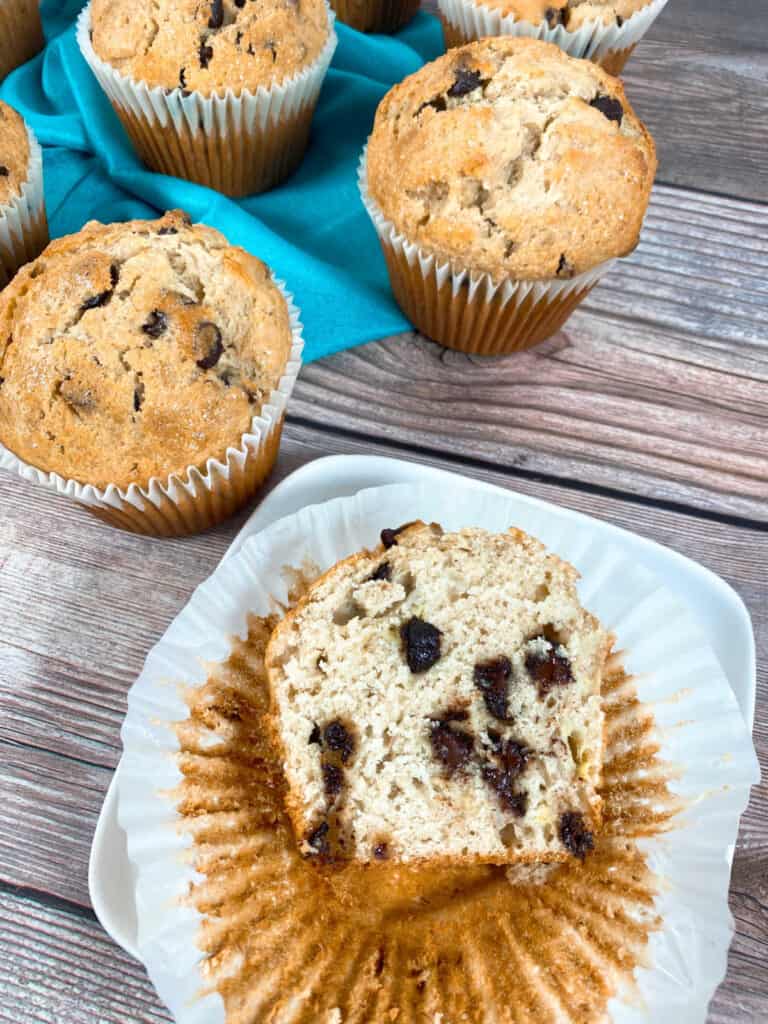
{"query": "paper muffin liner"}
pixel 192 501
pixel 470 311
pixel 238 144
pixel 375 15
pixel 608 45
pixel 23 224
pixel 21 33
pixel 665 912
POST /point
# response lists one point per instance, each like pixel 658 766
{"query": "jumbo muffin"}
pixel 23 225
pixel 438 700
pixel 606 32
pixel 502 179
pixel 220 93
pixel 140 362
pixel 21 33
pixel 375 15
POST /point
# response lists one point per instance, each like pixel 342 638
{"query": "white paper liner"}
pixel 229 112
pixel 19 218
pixel 481 285
pixel 180 486
pixel 700 729
pixel 592 41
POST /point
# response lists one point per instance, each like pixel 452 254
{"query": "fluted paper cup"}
pixel 469 311
pixel 21 33
pixel 192 501
pixel 232 923
pixel 237 143
pixel 608 45
pixel 375 15
pixel 23 224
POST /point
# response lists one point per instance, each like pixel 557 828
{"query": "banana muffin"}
pixel 517 166
pixel 21 33
pixel 140 351
pixel 438 699
pixel 23 226
pixel 265 62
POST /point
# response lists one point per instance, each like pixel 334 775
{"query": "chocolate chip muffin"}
pixel 519 168
pixel 21 33
pixel 138 352
pixel 572 14
pixel 438 699
pixel 233 83
pixel 375 15
pixel 23 226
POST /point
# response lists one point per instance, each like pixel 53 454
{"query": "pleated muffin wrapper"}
pixel 376 15
pixel 197 499
pixel 23 224
pixel 470 311
pixel 21 33
pixel 237 143
pixel 607 45
pixel 233 925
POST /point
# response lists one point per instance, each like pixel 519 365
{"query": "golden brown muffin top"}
pixel 14 154
pixel 131 351
pixel 572 14
pixel 509 157
pixel 208 46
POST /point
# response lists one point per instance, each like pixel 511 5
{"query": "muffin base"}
pixel 21 33
pixel 383 16
pixel 25 248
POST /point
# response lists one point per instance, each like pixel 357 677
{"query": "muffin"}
pixel 605 32
pixel 144 370
pixel 21 33
pixel 503 179
pixel 375 15
pixel 23 225
pixel 219 93
pixel 438 700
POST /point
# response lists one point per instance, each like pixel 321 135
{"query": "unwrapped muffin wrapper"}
pixel 21 33
pixel 23 224
pixel 237 143
pixel 700 729
pixel 471 311
pixel 196 499
pixel 608 45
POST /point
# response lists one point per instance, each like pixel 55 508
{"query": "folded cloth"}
pixel 312 230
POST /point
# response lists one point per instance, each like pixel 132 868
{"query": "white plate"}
pixel 716 606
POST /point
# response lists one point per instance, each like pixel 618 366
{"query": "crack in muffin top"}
pixel 208 46
pixel 571 14
pixel 14 154
pixel 136 350
pixel 509 157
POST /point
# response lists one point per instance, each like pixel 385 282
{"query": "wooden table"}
pixel 650 410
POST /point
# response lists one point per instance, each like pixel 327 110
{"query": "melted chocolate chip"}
pixel 438 104
pixel 339 739
pixel 333 780
pixel 389 537
pixel 205 54
pixel 381 572
pixel 182 78
pixel 564 268
pixel 381 851
pixel 491 679
pixel 318 839
pixel 452 747
pixel 554 16
pixel 421 644
pixel 314 736
pixel 575 836
pixel 502 781
pixel 94 301
pixel 155 324
pixel 466 81
pixel 514 757
pixel 548 669
pixel 168 231
pixel 4 172
pixel 240 3
pixel 138 396
pixel 208 339
pixel 609 107
pixel 216 19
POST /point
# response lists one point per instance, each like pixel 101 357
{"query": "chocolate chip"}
pixel 502 782
pixel 94 301
pixel 168 231
pixel 381 851
pixel 554 16
pixel 182 78
pixel 208 338
pixel 240 3
pixel 155 324
pixel 389 537
pixel 4 172
pixel 548 669
pixel 216 19
pixel 438 104
pixel 318 839
pixel 238 38
pixel 466 81
pixel 514 757
pixel 333 780
pixel 421 644
pixel 619 21
pixel 314 736
pixel 609 107
pixel 575 836
pixel 205 54
pixel 138 396
pixel 491 679
pixel 338 738
pixel 452 747
pixel 382 572
pixel 564 268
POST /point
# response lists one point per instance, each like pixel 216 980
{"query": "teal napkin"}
pixel 312 230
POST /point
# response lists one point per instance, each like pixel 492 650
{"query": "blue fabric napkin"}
pixel 312 230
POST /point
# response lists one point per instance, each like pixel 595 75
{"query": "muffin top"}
pixel 512 158
pixel 14 153
pixel 131 351
pixel 570 13
pixel 209 46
